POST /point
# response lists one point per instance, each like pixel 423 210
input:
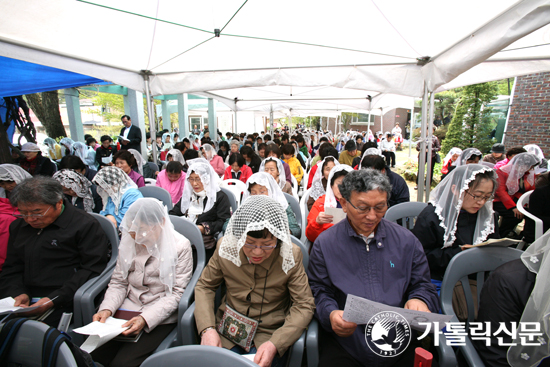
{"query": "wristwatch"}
pixel 208 328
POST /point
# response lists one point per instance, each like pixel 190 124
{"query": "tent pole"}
pixel 510 101
pixel 368 125
pixel 271 121
pixel 430 135
pixel 382 120
pixel 411 124
pixel 152 127
pixel 422 155
pixel 236 129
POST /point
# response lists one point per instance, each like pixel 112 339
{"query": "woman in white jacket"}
pixel 154 266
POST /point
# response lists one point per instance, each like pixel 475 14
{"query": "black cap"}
pixel 498 148
pixel 350 145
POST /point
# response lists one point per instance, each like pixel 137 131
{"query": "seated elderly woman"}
pixel 141 165
pixel 117 192
pixel 262 183
pixel 79 190
pixel 34 162
pixel 85 153
pixel 515 178
pixel 449 160
pixel 172 179
pixel 468 156
pixel 125 161
pixel 75 163
pixel 11 176
pixel 369 257
pixel 317 220
pixel 203 203
pixel 154 266
pixel 237 169
pixel 275 168
pixel 460 214
pixel 319 182
pixel 209 153
pixel 266 286
pixel 235 145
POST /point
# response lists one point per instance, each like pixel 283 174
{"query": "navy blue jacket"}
pixel 393 270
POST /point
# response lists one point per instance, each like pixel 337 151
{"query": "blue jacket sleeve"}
pixel 321 286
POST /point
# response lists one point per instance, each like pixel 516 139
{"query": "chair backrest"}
pixel 294 187
pixel 477 260
pixel 488 164
pixel 197 356
pixel 295 205
pixel 237 187
pixel 305 254
pixel 112 235
pixel 26 349
pixel 193 234
pixel 157 193
pixel 303 184
pixel 154 167
pixel 524 199
pixel 305 211
pixel 231 197
pixel 407 212
pixel 150 182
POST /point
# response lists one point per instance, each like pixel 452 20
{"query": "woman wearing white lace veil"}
pixel 460 214
pixel 167 142
pixel 54 149
pixel 320 179
pixel 468 156
pixel 448 161
pixel 87 155
pixel 79 190
pixel 266 283
pixel 262 183
pixel 535 150
pixel 215 160
pixel 117 191
pixel 317 220
pixel 67 146
pixel 11 176
pixel 154 267
pixel 515 178
pixel 275 168
pixel 203 203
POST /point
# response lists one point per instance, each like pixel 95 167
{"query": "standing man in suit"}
pixel 132 133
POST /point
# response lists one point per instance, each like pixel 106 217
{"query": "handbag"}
pixel 437 158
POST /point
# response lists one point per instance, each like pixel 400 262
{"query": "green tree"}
pixel 112 106
pixel 471 124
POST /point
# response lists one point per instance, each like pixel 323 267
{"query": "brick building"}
pixel 529 121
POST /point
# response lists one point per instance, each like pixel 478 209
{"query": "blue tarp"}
pixel 21 77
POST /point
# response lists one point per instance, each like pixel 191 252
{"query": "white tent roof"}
pixel 340 50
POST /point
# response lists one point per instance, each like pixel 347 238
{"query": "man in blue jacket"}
pixel 369 257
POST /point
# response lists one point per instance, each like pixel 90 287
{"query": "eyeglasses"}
pixel 380 208
pixel 480 198
pixel 265 248
pixel 194 180
pixel 31 215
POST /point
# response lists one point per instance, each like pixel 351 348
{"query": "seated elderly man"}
pixel 53 249
pixel 369 257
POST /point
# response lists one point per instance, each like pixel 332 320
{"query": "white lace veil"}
pixel 209 179
pixel 280 168
pixel 448 204
pixel 112 183
pixel 79 184
pixel 517 168
pixel 257 213
pixel 67 143
pixel 371 151
pixel 465 155
pixel 176 156
pixel 81 151
pixel 317 188
pixel 330 199
pixel 537 310
pixel 449 155
pixel 11 172
pixel 139 160
pixel 209 151
pixel 535 149
pixel 266 180
pixel 148 220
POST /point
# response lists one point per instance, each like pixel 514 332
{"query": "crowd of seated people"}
pixel 48 200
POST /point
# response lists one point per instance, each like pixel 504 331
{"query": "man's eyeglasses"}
pixel 480 198
pixel 380 208
pixel 31 215
pixel 266 248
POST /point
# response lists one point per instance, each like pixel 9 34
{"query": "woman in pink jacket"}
pixel 154 266
pixel 209 153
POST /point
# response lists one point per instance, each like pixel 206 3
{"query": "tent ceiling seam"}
pixel 523 48
pixel 154 33
pixel 172 58
pixel 233 16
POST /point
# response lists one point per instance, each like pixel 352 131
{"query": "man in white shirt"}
pixel 387 147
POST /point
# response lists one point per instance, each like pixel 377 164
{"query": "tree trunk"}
pixel 5 154
pixel 46 107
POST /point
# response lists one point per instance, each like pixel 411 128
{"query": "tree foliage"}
pixel 112 106
pixel 471 124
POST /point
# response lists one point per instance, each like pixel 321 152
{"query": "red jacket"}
pixel 246 172
pixel 314 229
pixel 311 175
pixel 502 191
pixel 6 217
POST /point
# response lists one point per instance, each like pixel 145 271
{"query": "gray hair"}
pixel 39 189
pixel 364 180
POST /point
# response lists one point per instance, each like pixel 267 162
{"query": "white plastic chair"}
pixel 150 182
pixel 305 212
pixel 237 188
pixel 522 201
pixel 407 212
pixel 303 184
pixel 294 187
pixel 158 193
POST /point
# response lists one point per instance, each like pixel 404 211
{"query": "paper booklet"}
pixel 100 333
pixel 500 242
pixel 120 137
pixel 7 307
pixel 337 214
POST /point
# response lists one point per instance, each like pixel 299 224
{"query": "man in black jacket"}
pixel 53 249
pixel 399 189
pixel 131 134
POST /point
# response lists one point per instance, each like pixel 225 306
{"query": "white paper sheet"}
pixel 360 310
pixel 7 305
pixel 500 242
pixel 106 160
pixel 337 214
pixel 100 333
pixel 249 356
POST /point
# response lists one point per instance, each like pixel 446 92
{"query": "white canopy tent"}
pixel 375 47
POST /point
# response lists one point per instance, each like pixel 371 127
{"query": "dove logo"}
pixel 388 334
